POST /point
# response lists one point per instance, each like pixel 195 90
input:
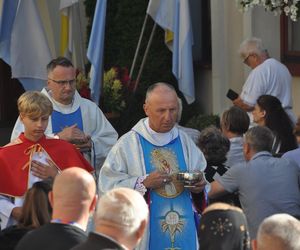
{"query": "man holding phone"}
pixel 268 77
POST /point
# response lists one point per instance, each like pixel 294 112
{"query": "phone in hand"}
pixel 232 95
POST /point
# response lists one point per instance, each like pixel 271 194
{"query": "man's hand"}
pixel 44 171
pixel 239 102
pixel 198 186
pixel 85 146
pixel 73 134
pixel 16 213
pixel 156 180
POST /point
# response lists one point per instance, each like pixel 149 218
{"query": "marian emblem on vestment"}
pixel 165 160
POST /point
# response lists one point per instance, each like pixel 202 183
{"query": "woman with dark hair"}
pixel 215 146
pixel 268 112
pixel 36 211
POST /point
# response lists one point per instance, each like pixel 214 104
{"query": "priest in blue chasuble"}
pixel 147 159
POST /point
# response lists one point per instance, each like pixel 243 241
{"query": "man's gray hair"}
pixel 59 61
pixel 123 207
pixel 284 228
pixel 250 46
pixel 259 138
pixel 152 87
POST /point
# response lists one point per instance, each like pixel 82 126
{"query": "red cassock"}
pixel 15 161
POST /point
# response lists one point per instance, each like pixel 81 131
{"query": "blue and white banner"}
pixel 174 15
pixel 95 50
pixel 23 44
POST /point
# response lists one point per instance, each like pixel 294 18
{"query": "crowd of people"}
pixel 67 182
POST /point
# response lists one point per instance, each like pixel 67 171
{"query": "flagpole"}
pixel 144 58
pixel 81 39
pixel 138 46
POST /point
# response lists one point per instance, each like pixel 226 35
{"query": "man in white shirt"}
pixel 268 77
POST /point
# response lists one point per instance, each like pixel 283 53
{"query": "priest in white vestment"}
pixel 147 159
pixel 74 119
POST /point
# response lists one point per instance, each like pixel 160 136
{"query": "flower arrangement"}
pixel 82 84
pixel 115 86
pixel 289 7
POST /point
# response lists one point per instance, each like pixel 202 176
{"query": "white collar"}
pixel 161 138
pixel 64 107
pixel 61 107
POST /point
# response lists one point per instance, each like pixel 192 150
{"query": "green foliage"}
pixel 202 121
pixel 124 21
pixel 113 92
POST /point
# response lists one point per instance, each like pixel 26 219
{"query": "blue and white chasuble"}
pixel 172 224
pixel 60 120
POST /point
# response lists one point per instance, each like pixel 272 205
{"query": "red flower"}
pixel 85 92
pixel 82 84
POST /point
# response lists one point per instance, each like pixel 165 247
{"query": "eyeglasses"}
pixel 63 82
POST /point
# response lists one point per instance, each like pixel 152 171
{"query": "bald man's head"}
pixel 73 194
pixel 161 106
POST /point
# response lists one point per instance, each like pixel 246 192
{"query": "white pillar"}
pixel 227 68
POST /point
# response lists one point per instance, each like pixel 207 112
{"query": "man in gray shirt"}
pixel 266 185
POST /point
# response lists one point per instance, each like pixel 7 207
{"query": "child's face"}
pixel 34 126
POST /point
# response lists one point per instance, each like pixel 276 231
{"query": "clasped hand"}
pixel 158 179
pixel 74 135
pixel 42 170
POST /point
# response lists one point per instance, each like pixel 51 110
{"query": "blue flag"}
pixel 174 15
pixel 8 14
pixel 23 44
pixel 95 49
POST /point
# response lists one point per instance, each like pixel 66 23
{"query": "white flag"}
pixel 174 15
